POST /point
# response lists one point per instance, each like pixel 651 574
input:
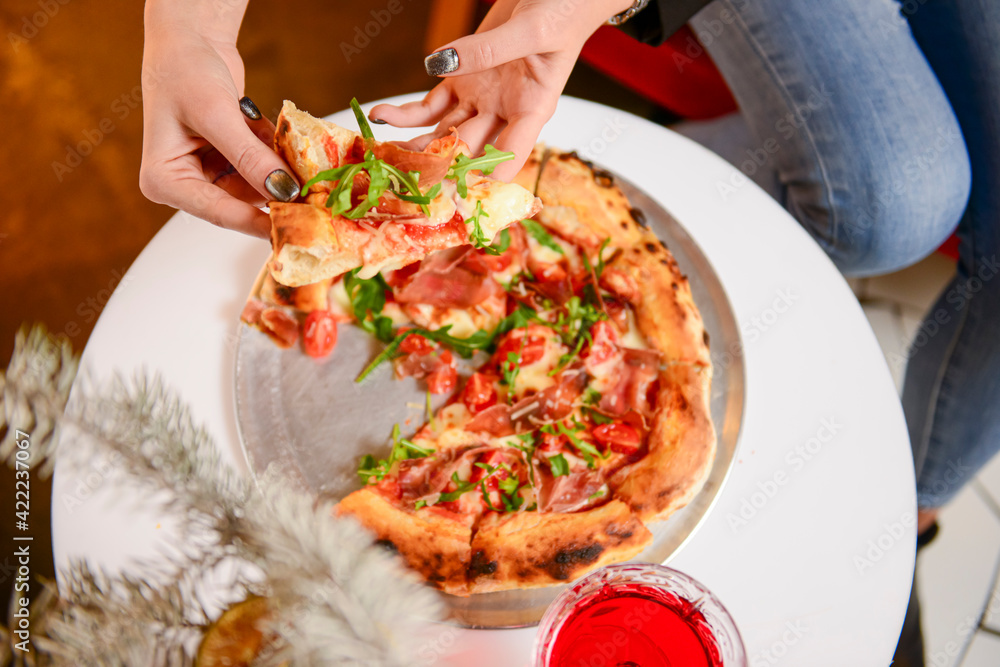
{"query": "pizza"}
pixel 577 371
pixel 376 206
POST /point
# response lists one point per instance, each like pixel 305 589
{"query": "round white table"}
pixel 811 543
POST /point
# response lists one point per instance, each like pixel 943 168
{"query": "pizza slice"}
pixel 377 206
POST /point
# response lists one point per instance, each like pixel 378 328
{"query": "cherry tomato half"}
pixel 619 437
pixel 416 344
pixel 319 333
pixel 479 393
pixel 442 379
pixel 605 342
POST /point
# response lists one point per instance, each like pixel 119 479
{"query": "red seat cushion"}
pixel 678 75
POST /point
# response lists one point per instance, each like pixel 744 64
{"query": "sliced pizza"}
pixel 582 413
pixel 377 206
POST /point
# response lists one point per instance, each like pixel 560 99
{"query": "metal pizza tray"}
pixel 310 419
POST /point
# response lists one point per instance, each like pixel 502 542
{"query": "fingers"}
pixel 519 136
pixel 225 127
pixel 428 111
pixel 211 203
pixel 517 38
pixel 479 131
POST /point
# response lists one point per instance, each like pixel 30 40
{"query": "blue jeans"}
pixel 880 122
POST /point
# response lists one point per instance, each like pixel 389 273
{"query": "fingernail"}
pixel 249 109
pixel 377 121
pixel 441 62
pixel 281 185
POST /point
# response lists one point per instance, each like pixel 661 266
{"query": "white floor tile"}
pixel 955 574
pixel 983 652
pixel 887 324
pixel 917 285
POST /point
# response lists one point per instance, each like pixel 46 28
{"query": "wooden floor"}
pixel 73 219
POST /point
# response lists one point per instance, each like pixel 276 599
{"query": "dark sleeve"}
pixel 662 18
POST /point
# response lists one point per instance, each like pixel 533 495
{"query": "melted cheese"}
pixel 535 376
pixel 504 203
pixel 633 338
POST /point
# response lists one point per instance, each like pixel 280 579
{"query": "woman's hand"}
pixel 508 77
pixel 200 152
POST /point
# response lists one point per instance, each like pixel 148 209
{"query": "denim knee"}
pixel 888 211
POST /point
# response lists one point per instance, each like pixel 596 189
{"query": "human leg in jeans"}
pixel 876 127
pixel 882 125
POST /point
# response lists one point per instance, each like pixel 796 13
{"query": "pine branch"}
pixel 336 597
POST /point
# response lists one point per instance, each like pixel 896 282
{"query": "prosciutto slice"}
pixel 548 405
pixel 433 162
pixel 638 370
pixel 568 493
pixel 452 278
pixel 275 322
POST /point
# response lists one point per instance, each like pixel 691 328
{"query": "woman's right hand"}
pixel 200 152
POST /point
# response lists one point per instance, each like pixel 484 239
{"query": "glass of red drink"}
pixel 638 615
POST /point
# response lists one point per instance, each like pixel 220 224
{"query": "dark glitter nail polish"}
pixel 281 185
pixel 249 109
pixel 377 121
pixel 441 62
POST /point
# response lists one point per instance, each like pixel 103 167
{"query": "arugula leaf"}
pixel 367 298
pixel 584 448
pixel 512 501
pixel 486 495
pixel 596 416
pixel 591 396
pixel 478 236
pixel 486 163
pixel 510 369
pixel 596 272
pixel 425 198
pixel 368 468
pixel 601 492
pixel 510 485
pixel 540 234
pixel 463 488
pixel 521 317
pixel 464 347
pixel 503 244
pixel 559 465
pixel 336 174
pixel 366 129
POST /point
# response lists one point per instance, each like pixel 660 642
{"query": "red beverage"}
pixel 638 616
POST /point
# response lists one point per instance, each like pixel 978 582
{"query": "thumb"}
pixel 262 168
pixel 517 38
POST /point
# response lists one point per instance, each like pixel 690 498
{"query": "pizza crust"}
pixel 439 549
pixel 529 549
pixel 308 144
pixel 681 447
pixel 306 298
pixel 584 205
